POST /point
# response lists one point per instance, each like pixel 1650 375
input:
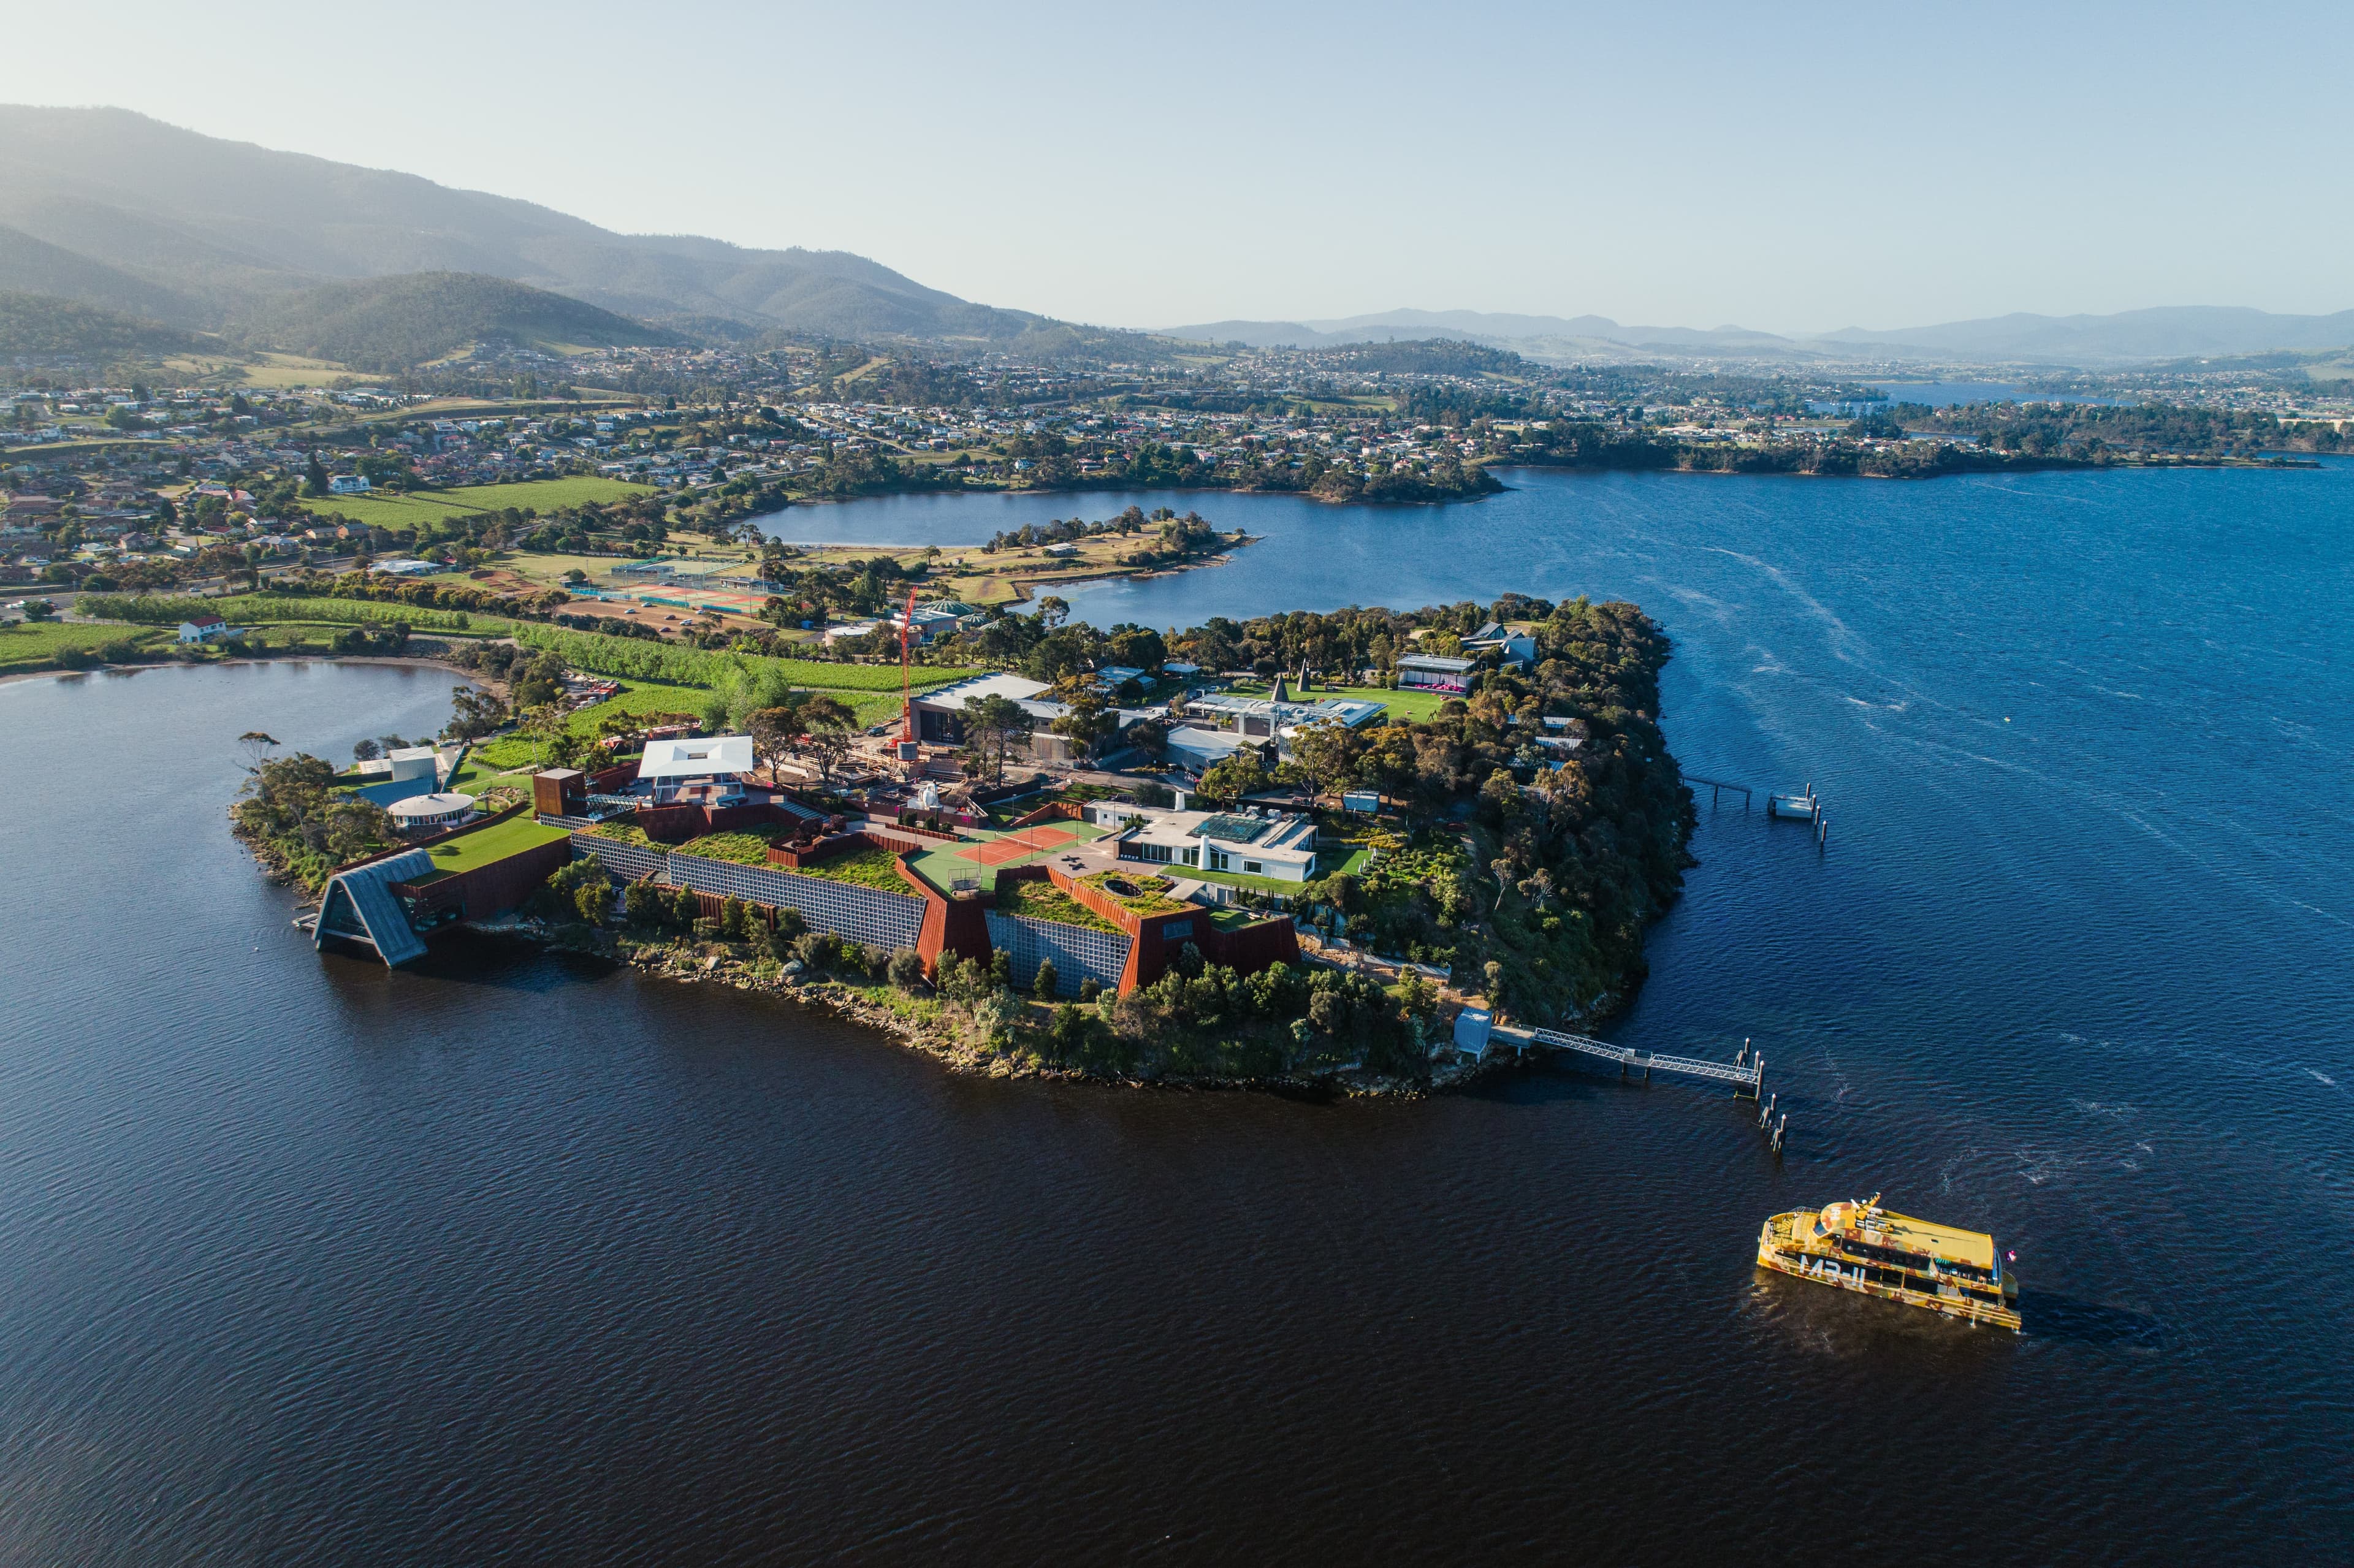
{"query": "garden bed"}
pixel 868 868
pixel 748 846
pixel 1140 894
pixel 1044 900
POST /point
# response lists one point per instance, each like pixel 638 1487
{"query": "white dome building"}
pixel 422 811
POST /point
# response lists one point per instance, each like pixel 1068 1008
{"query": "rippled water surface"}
pixel 511 1259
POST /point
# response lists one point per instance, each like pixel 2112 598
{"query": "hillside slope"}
pixel 387 324
pixel 37 267
pixel 43 324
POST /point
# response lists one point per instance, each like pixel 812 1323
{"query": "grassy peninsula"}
pixel 1528 829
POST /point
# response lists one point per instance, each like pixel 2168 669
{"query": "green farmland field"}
pixel 433 506
pixel 31 645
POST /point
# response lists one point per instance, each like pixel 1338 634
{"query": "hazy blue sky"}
pixel 1783 167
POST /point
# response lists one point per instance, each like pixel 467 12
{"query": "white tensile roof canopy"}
pixel 698 758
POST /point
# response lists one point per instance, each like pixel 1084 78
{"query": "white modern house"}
pixel 1249 841
pixel 707 771
pixel 348 484
pixel 204 629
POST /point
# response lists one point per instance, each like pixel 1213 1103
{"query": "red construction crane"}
pixel 906 690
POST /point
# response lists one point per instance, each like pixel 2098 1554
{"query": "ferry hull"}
pixel 1786 1254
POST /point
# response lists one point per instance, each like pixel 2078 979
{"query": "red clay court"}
pixel 1017 845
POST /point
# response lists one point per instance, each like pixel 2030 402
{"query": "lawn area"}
pixel 943 865
pixel 1044 900
pixel 29 645
pixel 748 848
pixel 1402 704
pixel 1269 883
pixel 432 505
pixel 472 777
pixel 485 846
pixel 514 751
pixel 868 868
pixel 1411 706
pixel 630 658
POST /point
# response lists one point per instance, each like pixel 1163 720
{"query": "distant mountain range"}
pixel 113 210
pixel 160 226
pixel 2167 333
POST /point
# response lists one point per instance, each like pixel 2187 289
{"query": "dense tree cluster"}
pixel 2094 433
pixel 291 809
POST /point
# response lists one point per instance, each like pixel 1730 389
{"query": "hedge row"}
pixel 635 659
pixel 162 609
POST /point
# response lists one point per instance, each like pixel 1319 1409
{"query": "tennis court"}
pixel 1020 844
pixel 978 863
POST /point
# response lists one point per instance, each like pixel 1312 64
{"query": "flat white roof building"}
pixel 939 713
pixel 707 757
pixel 952 699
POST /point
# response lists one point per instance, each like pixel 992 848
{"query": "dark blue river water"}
pixel 507 1259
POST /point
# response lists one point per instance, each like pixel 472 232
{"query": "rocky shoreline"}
pixel 941 1038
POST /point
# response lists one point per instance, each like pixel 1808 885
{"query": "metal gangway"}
pixel 1746 1072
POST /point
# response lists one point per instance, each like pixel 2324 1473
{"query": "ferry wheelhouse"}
pixel 1859 1245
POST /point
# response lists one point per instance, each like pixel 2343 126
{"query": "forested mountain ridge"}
pixel 43 324
pixel 389 324
pixel 229 226
pixel 33 266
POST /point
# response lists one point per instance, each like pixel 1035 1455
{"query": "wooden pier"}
pixel 1717 787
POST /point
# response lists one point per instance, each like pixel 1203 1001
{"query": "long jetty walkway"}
pixel 1746 1074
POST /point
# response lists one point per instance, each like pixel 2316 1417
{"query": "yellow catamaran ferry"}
pixel 1859 1245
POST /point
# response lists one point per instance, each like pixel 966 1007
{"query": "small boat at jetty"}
pixel 1859 1245
pixel 1802 805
